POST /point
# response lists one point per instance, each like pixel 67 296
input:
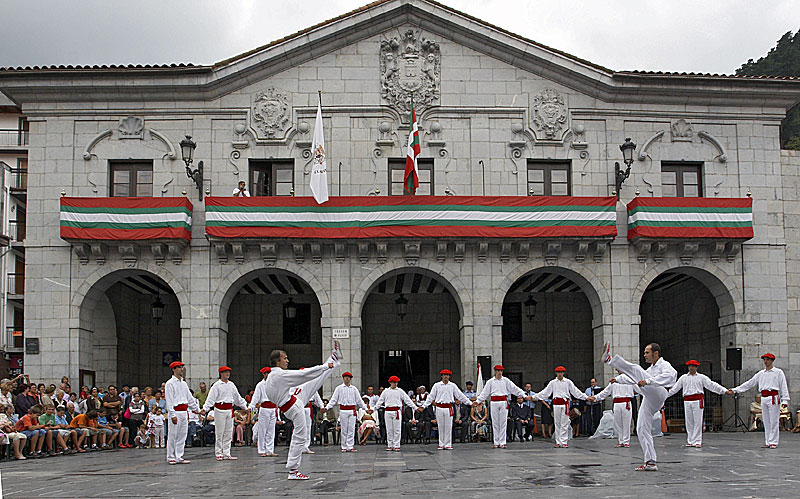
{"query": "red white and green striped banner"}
pixel 126 218
pixel 411 216
pixel 689 218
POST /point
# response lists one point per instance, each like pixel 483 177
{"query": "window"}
pixel 397 170
pixel 549 178
pixel 271 178
pixel 297 331
pixel 681 180
pixel 512 322
pixel 131 178
pixel 24 131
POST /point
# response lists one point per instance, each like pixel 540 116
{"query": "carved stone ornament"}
pixel 410 65
pixel 681 131
pixel 270 113
pixel 549 113
pixel 131 127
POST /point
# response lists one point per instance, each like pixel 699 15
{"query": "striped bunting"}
pixel 126 218
pixel 691 218
pixel 407 216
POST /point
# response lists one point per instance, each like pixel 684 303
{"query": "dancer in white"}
pixel 560 389
pixel 498 390
pixel 443 395
pixel 267 414
pixel 771 382
pixel 179 400
pixel 693 384
pixel 393 399
pixel 315 400
pixel 349 400
pixel 653 385
pixel 622 395
pixel 280 388
pixel 223 396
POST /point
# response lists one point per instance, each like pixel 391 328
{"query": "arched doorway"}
pixel 271 308
pixel 547 321
pixel 410 328
pixel 129 344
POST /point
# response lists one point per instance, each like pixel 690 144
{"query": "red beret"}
pixel 445 371
pixel 224 368
pixel 347 373
pixel 768 356
pixel 498 367
pixel 175 364
pixel 394 379
pixel 561 369
pixel 692 363
pixel 265 370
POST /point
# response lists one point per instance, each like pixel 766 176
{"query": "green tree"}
pixel 782 60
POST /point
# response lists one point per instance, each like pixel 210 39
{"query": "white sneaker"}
pixel 230 458
pixel 647 467
pixel 605 357
pixel 309 451
pixel 296 475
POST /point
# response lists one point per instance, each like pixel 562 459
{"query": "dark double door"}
pixel 411 366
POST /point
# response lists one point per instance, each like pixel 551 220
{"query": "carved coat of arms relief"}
pixel 270 113
pixel 549 114
pixel 410 67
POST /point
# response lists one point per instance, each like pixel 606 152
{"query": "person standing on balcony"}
pixel 240 191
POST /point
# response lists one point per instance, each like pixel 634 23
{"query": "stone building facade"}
pixel 500 116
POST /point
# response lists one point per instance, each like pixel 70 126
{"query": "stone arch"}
pixel 589 283
pixel 233 281
pixel 448 278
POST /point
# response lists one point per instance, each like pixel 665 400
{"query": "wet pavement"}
pixel 728 465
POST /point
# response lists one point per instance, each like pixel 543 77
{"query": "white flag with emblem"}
pixel 479 381
pixel 319 170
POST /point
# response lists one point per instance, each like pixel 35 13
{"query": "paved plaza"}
pixel 729 465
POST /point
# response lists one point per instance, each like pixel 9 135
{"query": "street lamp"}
pixel 157 309
pixel 187 151
pixel 402 306
pixel 620 176
pixel 290 309
pixel 530 307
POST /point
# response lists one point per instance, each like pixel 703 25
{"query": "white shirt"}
pixel 282 382
pixel 499 387
pixel 176 392
pixel 694 384
pixel 774 379
pixel 224 393
pixel 394 397
pixel 315 400
pixel 259 395
pixel 560 389
pixel 243 194
pixel 373 399
pixel 445 393
pixel 659 374
pixel 616 391
pixel 346 395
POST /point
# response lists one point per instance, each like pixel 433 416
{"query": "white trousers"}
pixel 499 422
pixel 223 432
pixel 176 437
pixel 622 422
pixel 307 410
pixel 265 430
pixel 444 423
pixel 394 426
pixel 653 398
pixel 770 414
pixel 563 431
pixel 694 422
pixel 347 420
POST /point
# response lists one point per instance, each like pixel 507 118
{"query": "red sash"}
pixel 500 398
pixel 288 405
pixel 348 408
pixel 564 402
pixel 223 406
pixel 627 400
pixel 446 406
pixel 396 411
pixel 268 405
pixel 696 396
pixel 181 407
pixel 770 393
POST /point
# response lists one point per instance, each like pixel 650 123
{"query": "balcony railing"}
pixel 16 230
pixel 15 338
pixel 16 283
pixel 19 179
pixel 13 137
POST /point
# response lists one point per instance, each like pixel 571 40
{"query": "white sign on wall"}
pixel 341 334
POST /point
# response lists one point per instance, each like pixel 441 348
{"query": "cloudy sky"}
pixel 676 35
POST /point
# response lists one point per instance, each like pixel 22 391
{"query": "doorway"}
pixel 411 366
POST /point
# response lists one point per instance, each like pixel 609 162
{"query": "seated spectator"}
pixel 158 400
pixel 26 400
pixel 11 415
pixel 461 421
pixel 326 421
pixel 61 399
pixel 521 421
pixel 755 414
pixel 46 398
pixel 113 434
pixel 241 418
pixel 367 425
pixel 88 423
pixel 208 429
pixel 29 426
pixel 93 402
pixel 138 408
pixel 71 433
pixel 11 436
pixel 5 392
pixel 785 418
pixel 194 427
pixel 142 439
pixel 796 428
pixel 70 412
pixel 48 421
pixel 480 426
pixel 283 425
